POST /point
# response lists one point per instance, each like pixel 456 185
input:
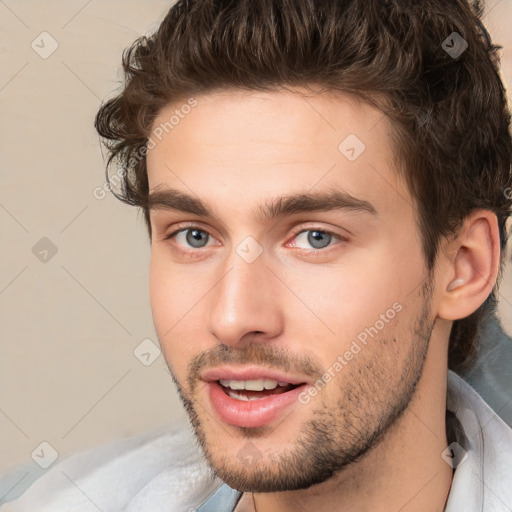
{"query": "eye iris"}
pixel 319 239
pixel 195 237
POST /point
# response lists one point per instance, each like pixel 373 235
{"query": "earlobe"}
pixel 470 275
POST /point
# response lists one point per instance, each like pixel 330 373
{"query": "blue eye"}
pixel 195 238
pixel 316 238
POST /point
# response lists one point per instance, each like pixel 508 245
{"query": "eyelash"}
pixel 194 252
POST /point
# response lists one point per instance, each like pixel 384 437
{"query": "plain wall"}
pixel 69 325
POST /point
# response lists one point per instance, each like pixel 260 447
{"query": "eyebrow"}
pixel 334 199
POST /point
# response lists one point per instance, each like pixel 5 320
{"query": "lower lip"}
pixel 252 413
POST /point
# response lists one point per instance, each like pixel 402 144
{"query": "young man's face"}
pixel 333 302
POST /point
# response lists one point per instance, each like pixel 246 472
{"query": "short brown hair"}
pixel 448 108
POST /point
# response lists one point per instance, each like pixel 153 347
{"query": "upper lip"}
pixel 249 373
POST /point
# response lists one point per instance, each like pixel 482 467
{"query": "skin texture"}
pixel 372 438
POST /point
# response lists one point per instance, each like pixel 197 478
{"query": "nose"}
pixel 246 301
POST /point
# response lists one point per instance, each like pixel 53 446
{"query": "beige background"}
pixel 69 326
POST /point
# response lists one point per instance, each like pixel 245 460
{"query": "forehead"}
pixel 278 121
pixel 255 145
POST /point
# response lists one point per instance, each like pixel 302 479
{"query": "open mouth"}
pixel 251 397
pixel 247 390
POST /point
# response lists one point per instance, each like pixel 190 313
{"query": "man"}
pixel 324 186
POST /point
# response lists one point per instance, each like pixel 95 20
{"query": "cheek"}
pixel 173 291
pixel 160 285
pixel 350 297
pixel 179 307
pixel 169 305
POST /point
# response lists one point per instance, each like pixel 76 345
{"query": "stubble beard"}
pixel 371 399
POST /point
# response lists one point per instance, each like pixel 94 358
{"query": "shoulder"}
pixel 160 470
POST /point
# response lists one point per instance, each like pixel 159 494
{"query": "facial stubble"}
pixel 370 400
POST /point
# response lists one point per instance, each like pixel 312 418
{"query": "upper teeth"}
pixel 252 385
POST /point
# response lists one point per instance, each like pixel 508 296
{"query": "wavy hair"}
pixel 446 102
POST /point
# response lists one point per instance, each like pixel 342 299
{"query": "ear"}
pixel 470 266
